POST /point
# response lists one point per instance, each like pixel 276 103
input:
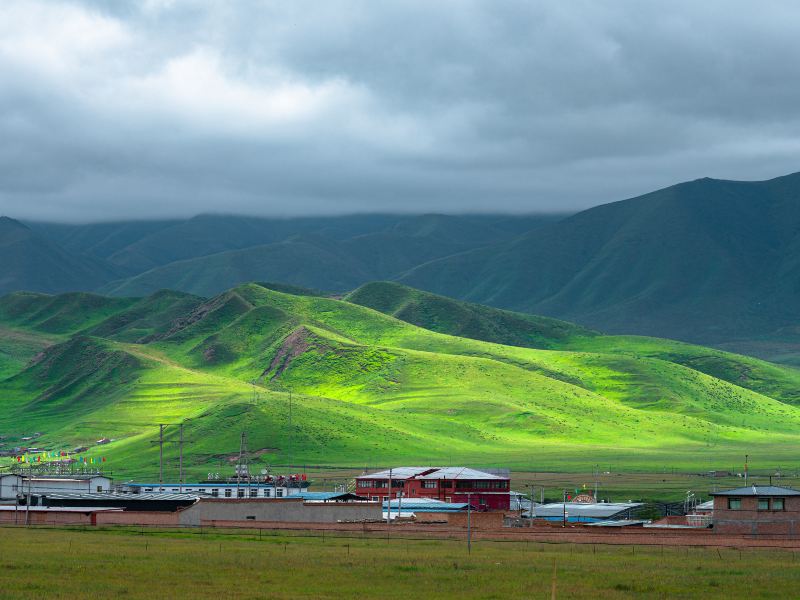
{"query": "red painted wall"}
pixel 496 497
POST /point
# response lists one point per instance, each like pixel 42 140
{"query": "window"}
pixel 734 504
pixel 364 483
pixel 397 483
pixel 778 504
pixel 763 504
pixel 429 484
pixel 268 493
pixel 228 493
pixel 201 490
pixel 375 499
pixel 148 489
pixel 253 492
pixel 279 493
pixel 381 483
pixel 215 493
pixel 240 493
pixel 99 488
pixel 446 483
pixel 250 517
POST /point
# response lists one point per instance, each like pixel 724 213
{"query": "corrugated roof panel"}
pixel 759 490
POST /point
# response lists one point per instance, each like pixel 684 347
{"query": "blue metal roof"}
pixel 425 505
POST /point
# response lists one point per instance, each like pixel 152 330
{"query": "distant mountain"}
pixel 336 254
pixel 31 261
pixel 709 261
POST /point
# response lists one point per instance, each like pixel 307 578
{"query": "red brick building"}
pixel 757 510
pixel 484 491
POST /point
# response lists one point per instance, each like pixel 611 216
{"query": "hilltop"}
pixel 709 261
pixel 369 386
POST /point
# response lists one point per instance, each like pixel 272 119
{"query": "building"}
pixel 410 507
pixel 484 491
pixel 757 510
pixel 14 485
pixel 222 488
pixel 129 502
pixel 580 512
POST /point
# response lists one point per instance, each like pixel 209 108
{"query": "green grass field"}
pixel 370 388
pixel 64 563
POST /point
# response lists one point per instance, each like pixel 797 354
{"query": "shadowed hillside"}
pixel 30 261
pixel 709 261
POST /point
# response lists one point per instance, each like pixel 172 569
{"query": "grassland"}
pixel 373 381
pixel 185 565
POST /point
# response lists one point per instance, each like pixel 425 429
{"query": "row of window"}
pixel 763 504
pixel 431 484
pixel 241 492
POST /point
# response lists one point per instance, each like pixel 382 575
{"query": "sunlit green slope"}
pixel 369 388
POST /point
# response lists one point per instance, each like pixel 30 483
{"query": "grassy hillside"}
pixel 709 261
pixel 369 388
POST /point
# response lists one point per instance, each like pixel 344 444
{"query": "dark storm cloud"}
pixel 154 108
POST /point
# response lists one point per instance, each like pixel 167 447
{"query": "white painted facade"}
pixel 217 489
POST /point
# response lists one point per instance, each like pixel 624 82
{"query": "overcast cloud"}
pixel 177 107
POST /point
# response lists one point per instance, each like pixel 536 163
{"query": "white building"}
pixel 218 489
pixel 13 485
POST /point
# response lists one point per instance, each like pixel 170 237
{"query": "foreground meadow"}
pixel 75 563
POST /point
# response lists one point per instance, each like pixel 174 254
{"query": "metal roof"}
pixel 207 484
pixel 432 473
pixel 148 497
pixel 81 509
pixel 759 490
pixel 600 510
pixel 618 523
pixel 327 496
pixel 425 505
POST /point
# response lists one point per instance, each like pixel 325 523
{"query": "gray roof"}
pixel 74 509
pixel 323 496
pixel 425 505
pixel 432 473
pixel 759 490
pixel 115 496
pixel 601 510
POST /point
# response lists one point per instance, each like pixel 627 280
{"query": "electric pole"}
pixel 180 460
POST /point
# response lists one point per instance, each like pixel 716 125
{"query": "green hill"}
pixel 369 387
pixel 709 261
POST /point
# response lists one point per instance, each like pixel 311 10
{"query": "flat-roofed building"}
pixel 757 510
pixel 13 485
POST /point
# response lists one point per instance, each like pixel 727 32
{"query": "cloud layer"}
pixel 176 107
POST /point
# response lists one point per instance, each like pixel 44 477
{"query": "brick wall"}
pixel 748 520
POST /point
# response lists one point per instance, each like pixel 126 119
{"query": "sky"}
pixel 121 109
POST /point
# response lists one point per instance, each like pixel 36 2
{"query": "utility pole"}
pixel 389 502
pixel 160 443
pixel 596 477
pixel 289 450
pixel 180 460
pixel 469 524
pixel 745 469
pixel 28 500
